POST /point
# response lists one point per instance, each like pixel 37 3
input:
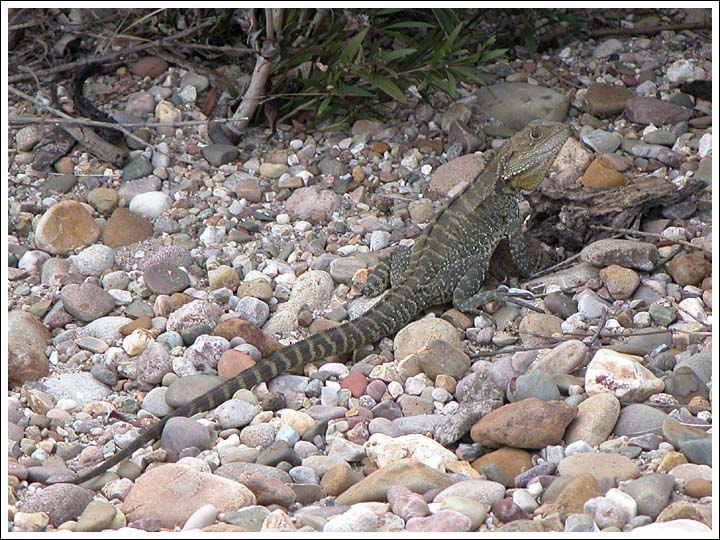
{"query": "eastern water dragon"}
pixel 448 263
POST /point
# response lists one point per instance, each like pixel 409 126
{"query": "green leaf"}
pixel 353 46
pixel 391 56
pixel 530 41
pixel 323 105
pixel 452 83
pixel 409 24
pixel 390 88
pixel 355 90
pixel 491 55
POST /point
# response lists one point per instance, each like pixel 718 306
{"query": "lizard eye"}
pixel 535 134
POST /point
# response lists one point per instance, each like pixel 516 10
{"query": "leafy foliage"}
pixel 546 18
pixel 355 58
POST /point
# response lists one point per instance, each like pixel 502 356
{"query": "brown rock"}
pixel 698 488
pixel 250 333
pixel 27 340
pixel 530 423
pixel 150 66
pixel 601 175
pixel 686 510
pixel 511 460
pixel 338 479
pixel 595 419
pixel 410 473
pixel 601 466
pixel 267 490
pixel 182 490
pixel 64 227
pixel 125 228
pixel 356 382
pixel 647 110
pixel 606 100
pixel 689 268
pixel 144 322
pixel 573 496
pixel 234 362
pixel 534 326
pixel 620 282
pixel 442 358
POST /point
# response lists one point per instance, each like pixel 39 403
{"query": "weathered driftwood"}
pixel 564 217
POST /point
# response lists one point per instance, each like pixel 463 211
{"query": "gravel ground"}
pixel 135 289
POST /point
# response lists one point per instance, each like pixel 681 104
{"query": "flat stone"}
pixel 410 473
pixel 651 493
pixel 501 101
pixel 65 226
pixel 626 253
pixel 183 491
pixel 125 228
pixel 530 423
pixel 600 465
pixel 595 420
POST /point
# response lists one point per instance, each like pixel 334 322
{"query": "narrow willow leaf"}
pixel 353 46
pixel 390 56
pixel 390 88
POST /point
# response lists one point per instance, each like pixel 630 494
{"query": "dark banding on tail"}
pixel 392 312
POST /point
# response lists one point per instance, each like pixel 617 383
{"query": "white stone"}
pixel 624 501
pixel 385 450
pixel 151 204
pixel 202 517
pixel 524 500
pixel 683 71
pixel 213 236
pixel 677 528
pixel 693 310
pixel 137 341
pixel 621 374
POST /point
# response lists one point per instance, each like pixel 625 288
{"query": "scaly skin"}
pixel 447 263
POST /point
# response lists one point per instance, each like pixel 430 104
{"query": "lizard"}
pixel 447 263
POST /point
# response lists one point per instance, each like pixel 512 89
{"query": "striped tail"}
pixel 394 311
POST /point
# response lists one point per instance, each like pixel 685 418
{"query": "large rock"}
pixel 410 473
pixel 61 502
pixel 171 493
pixel 530 423
pixel 27 341
pixel 517 104
pixel 621 374
pixel 420 334
pixel 66 225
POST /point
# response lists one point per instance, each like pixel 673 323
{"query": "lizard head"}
pixel 524 160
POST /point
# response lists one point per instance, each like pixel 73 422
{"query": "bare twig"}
pixel 649 29
pixel 215 48
pixel 511 350
pixel 95 123
pixel 646 234
pixel 601 325
pixel 563 79
pixel 111 56
pixel 256 89
pixel 554 267
pixel 101 148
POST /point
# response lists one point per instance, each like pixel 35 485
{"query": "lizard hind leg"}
pixel 388 272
